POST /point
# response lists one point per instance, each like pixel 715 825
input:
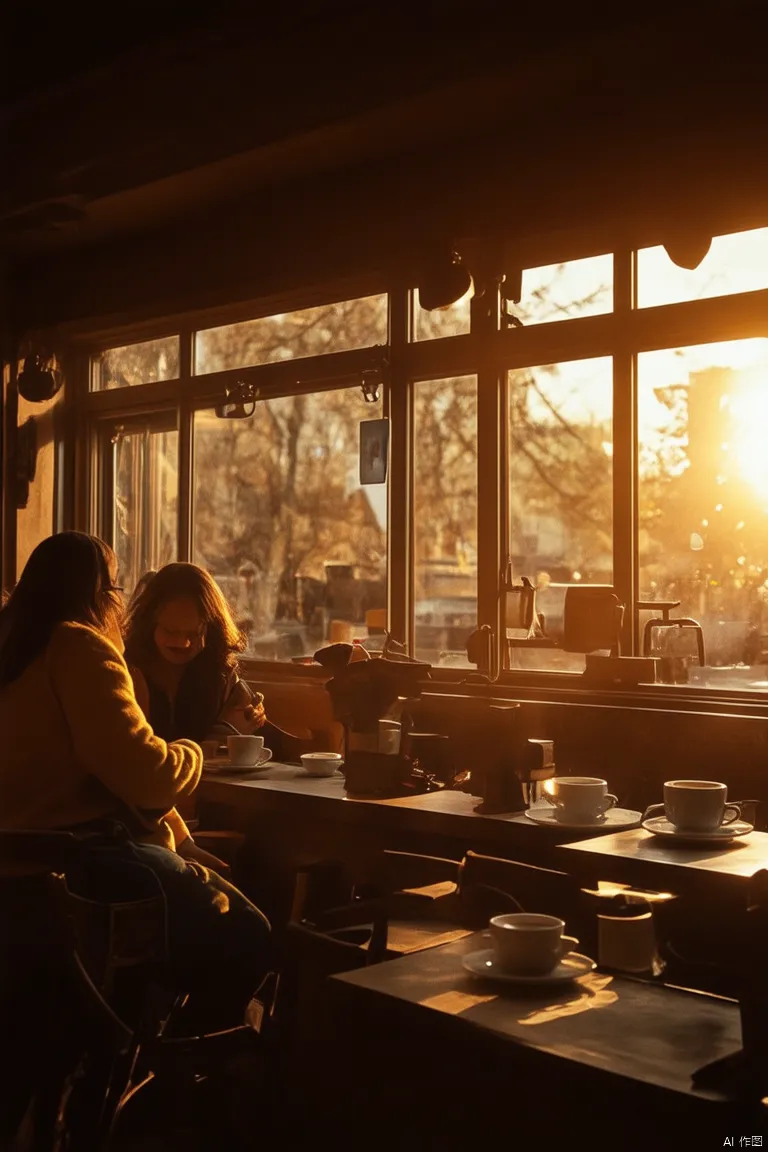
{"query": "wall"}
pixel 38 519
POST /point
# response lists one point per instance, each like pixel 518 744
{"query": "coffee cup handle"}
pixel 567 944
pixel 609 801
pixel 734 808
pixel 653 808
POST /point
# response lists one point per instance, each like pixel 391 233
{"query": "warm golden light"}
pixel 749 415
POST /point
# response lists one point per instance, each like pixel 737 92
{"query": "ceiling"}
pixel 273 146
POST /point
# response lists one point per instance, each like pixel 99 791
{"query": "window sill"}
pixel 553 687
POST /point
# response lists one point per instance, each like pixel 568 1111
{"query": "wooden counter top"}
pixel 283 787
pixel 672 1032
pixel 637 857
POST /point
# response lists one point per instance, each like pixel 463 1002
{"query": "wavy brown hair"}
pixel 201 691
pixel 67 579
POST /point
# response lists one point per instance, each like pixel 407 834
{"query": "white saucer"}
pixel 218 765
pixel 660 826
pixel 615 819
pixel 485 964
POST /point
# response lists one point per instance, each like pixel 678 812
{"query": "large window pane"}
pixel 560 490
pixel 292 335
pixel 281 520
pixel 144 363
pixel 703 413
pixel 734 263
pixel 451 321
pixel 445 518
pixel 566 291
pixel 144 501
pixel 552 292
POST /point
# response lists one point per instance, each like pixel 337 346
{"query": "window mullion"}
pixel 399 402
pixel 625 536
pixel 186 448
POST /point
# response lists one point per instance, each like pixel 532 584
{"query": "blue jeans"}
pixel 218 942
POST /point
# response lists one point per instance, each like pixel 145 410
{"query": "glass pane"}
pixel 566 291
pixel 734 263
pixel 703 504
pixel 560 491
pixel 453 321
pixel 282 522
pixel 292 335
pixel 145 502
pixel 445 519
pixel 136 364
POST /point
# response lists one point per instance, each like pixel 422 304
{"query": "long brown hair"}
pixel 67 578
pixel 200 694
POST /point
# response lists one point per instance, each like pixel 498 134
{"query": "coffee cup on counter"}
pixel 579 799
pixel 696 805
pixel 247 751
pixel 529 943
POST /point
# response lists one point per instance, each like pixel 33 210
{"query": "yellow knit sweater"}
pixel 75 746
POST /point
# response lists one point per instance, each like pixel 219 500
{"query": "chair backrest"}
pixel 533 889
pixel 405 871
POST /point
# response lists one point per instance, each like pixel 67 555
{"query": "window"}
pixel 560 490
pixel 451 321
pixel 445 519
pixel 293 335
pixel 144 499
pixel 282 522
pixel 566 291
pixel 735 263
pixel 623 462
pixel 136 364
pixel 703 505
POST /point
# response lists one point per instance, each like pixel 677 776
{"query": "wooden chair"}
pixel 86 1001
pixel 424 901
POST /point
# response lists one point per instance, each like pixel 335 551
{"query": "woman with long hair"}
pixel 78 754
pixel 182 646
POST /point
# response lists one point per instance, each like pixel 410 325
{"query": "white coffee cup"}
pixel 529 943
pixel 580 799
pixel 321 763
pixel 696 805
pixel 247 751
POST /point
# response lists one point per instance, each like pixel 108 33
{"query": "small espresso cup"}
pixel 696 805
pixel 529 944
pixel 579 798
pixel 247 751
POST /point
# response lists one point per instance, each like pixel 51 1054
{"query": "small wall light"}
pixel 443 282
pixel 240 402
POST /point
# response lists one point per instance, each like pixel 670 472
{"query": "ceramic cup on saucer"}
pixel 579 799
pixel 529 944
pixel 247 751
pixel 321 763
pixel 696 805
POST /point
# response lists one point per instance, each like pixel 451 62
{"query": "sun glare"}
pixel 749 417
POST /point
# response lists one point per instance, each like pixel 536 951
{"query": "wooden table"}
pixel 284 788
pixel 606 1056
pixel 638 858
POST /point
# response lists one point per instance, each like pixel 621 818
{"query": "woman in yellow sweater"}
pixel 79 754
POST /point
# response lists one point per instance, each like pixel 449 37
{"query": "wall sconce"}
pixel 373 378
pixel 443 282
pixel 687 250
pixel 240 402
pixel 39 379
